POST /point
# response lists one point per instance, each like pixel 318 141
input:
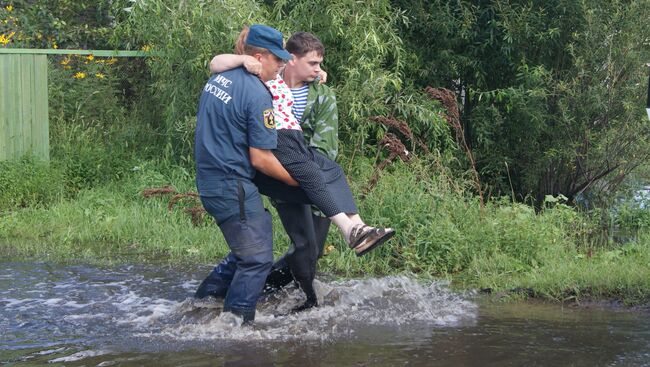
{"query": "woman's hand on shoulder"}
pixel 252 65
pixel 323 77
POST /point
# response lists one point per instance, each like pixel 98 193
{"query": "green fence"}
pixel 24 123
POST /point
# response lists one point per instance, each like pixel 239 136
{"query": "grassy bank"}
pixel 442 231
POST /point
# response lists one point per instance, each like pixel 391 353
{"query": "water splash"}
pixel 82 307
pixel 345 306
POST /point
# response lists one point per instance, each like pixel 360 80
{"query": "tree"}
pixel 552 89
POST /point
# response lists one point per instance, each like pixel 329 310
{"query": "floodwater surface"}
pixel 144 315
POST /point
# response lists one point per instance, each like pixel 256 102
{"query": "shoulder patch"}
pixel 269 121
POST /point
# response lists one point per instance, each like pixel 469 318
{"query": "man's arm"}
pixel 324 122
pixel 264 161
pixel 223 62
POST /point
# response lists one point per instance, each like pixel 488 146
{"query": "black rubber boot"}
pixel 211 287
pixel 279 276
pixel 307 286
pixel 308 233
pixel 299 224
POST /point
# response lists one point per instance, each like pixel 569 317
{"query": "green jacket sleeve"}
pixel 321 121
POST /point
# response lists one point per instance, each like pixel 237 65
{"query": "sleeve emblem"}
pixel 269 121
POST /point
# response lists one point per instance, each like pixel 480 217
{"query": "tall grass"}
pixel 441 232
pixel 115 221
pixel 27 183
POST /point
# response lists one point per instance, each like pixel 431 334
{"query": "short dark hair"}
pixel 302 43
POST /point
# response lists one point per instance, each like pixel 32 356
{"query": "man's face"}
pixel 306 68
pixel 271 65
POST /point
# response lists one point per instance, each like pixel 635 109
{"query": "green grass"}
pixel 441 232
pixel 115 221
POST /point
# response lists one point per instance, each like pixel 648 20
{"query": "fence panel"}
pixel 24 126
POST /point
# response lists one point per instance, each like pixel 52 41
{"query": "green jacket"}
pixel 320 121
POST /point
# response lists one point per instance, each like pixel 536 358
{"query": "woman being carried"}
pixel 322 180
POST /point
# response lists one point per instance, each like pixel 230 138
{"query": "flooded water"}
pixel 143 315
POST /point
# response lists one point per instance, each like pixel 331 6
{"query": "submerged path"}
pixel 144 315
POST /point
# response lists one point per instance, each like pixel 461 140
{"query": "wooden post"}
pixel 647 107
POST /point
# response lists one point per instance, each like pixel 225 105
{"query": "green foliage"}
pixel 630 218
pixel 96 127
pixel 28 182
pixel 115 221
pixel 363 55
pixel 59 23
pixel 441 231
pixel 186 35
pixel 551 95
pixel 553 88
pixel 364 58
pixel 84 90
pixel 441 228
pixel 87 158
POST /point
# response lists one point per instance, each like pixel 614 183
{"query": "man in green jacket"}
pixel 315 108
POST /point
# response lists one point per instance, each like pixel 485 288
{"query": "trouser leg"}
pixel 296 263
pixel 251 243
pixel 321 229
pixel 297 221
pixel 299 262
pixel 248 234
pixel 216 284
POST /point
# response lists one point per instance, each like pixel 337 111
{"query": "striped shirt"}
pixel 299 101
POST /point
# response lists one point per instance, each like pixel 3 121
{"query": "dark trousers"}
pixel 321 179
pixel 248 230
pixel 308 233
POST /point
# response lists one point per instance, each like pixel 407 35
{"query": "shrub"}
pixel 28 182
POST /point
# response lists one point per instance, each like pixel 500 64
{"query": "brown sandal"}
pixel 364 238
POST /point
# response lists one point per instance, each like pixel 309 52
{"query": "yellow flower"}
pixel 90 57
pixel 79 75
pixel 65 61
pixel 9 8
pixel 54 45
pixel 6 39
pixel 111 61
pixel 146 48
pixel 100 75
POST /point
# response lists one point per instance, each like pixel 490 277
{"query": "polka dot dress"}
pixel 321 179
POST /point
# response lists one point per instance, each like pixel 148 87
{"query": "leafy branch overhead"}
pixel 550 94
